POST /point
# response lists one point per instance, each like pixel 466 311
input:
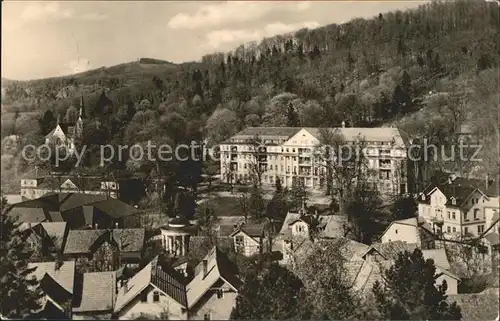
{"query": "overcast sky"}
pixel 44 39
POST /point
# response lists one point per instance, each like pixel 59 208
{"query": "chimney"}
pixel 205 268
pixel 343 124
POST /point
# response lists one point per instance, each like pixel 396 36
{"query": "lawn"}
pixel 222 206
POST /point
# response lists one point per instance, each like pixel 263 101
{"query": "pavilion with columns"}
pixel 175 235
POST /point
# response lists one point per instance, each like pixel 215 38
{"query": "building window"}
pixel 449 215
pixel 384 174
pixel 476 213
pixel 466 230
pixel 144 297
pixel 465 217
pixel 206 316
pixel 220 293
pixel 453 216
pixel 156 296
pixel 480 229
pixel 396 231
pixel 454 229
pixel 239 244
pixel 448 229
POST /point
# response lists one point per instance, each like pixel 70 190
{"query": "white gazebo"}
pixel 175 236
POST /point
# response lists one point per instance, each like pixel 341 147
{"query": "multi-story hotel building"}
pixel 291 153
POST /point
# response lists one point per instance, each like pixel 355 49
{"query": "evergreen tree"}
pixel 292 116
pixel 274 294
pixel 47 122
pixel 19 293
pixel 279 188
pixel 256 204
pixel 410 292
pixel 298 195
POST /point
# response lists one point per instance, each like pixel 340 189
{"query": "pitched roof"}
pixel 390 250
pixel 417 222
pixel 218 267
pixel 332 226
pixel 375 134
pixel 57 231
pixel 493 238
pixel 134 287
pixel 80 241
pixel 438 256
pixel 115 208
pixel 163 279
pixel 64 275
pixel 169 283
pixel 50 206
pixel 98 292
pixel 252 230
pixel 128 240
pixel 386 134
pixel 265 132
pixel 459 187
pixel 28 215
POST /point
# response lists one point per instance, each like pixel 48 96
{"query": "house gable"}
pixel 68 184
pixel 302 138
pixel 237 233
pixel 437 198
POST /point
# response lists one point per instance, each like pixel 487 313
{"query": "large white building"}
pixel 291 153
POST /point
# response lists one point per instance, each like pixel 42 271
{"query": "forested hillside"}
pixel 434 60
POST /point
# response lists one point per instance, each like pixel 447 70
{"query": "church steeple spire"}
pixel 82 108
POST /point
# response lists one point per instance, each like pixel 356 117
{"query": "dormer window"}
pixel 453 201
pixel 423 197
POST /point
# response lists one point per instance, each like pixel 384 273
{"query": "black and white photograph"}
pixel 250 160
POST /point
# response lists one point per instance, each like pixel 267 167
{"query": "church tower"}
pixel 79 122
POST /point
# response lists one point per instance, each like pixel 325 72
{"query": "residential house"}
pixel 411 230
pixel 366 264
pixel 125 189
pixel 289 153
pixel 57 281
pixel 212 293
pixel 455 209
pixel 105 250
pixel 298 227
pixel 153 291
pixel 389 252
pixel 158 290
pixel 77 210
pixel 46 239
pixel 249 239
pixel 96 296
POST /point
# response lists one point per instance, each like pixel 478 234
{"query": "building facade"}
pixel 64 135
pixel 38 187
pixel 457 210
pixel 294 154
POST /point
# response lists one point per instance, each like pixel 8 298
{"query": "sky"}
pixel 45 39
